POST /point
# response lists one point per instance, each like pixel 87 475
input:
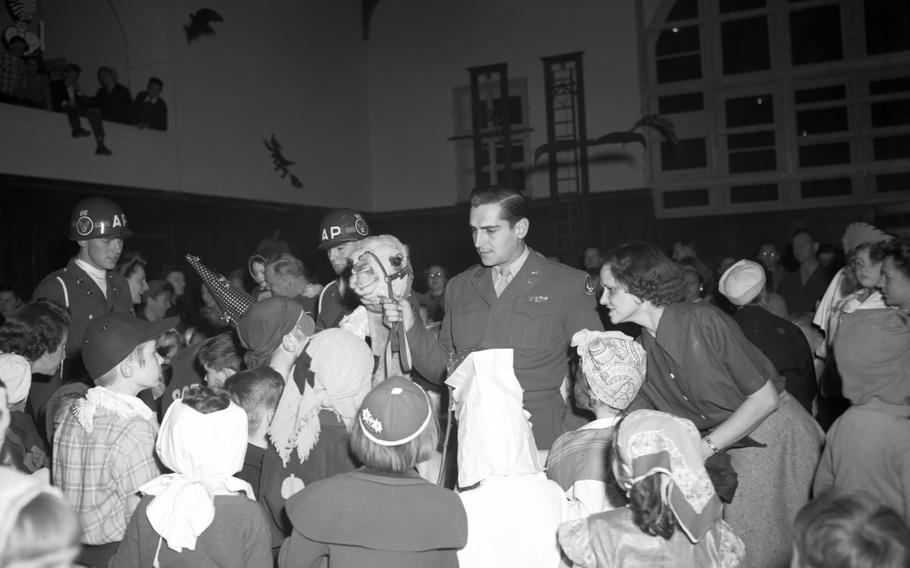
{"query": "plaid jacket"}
pixel 12 75
pixel 100 472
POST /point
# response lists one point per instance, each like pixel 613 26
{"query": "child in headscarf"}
pixel 309 434
pixel 513 509
pixel 674 514
pixel 383 514
pixel 38 528
pixel 200 515
pixel 613 368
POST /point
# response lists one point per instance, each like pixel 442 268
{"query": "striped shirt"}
pixel 100 472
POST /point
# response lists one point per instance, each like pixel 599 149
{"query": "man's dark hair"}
pixel 156 289
pixel 72 67
pixel 169 268
pixel 104 68
pixel 206 400
pixel 155 81
pixel 803 231
pixel 34 329
pixel 10 287
pixel 514 205
pixel 221 352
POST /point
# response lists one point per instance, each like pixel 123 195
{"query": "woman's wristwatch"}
pixel 711 444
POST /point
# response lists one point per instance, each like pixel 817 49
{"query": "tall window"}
pixel 493 155
pixel 778 103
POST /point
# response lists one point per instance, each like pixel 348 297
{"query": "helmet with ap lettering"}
pixel 98 218
pixel 342 226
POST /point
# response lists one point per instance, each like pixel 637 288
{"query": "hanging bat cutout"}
pixel 281 163
pixel 201 24
pixel 659 123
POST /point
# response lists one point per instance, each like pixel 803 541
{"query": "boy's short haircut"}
pixel 221 353
pixel 839 530
pixel 257 391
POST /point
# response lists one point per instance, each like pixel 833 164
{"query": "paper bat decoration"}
pixel 23 10
pixel 281 163
pixel 201 24
pixel 662 125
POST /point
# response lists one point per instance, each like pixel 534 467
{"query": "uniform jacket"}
pixel 86 302
pixel 333 305
pixel 536 315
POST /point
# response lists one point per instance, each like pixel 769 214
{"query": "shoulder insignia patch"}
pixel 589 285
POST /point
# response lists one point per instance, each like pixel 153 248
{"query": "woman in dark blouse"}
pixel 702 367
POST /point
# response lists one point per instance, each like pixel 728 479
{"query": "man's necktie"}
pixel 505 276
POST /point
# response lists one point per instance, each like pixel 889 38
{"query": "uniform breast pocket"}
pixel 469 324
pixel 533 325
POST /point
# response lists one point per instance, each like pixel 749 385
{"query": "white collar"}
pixel 99 397
pixel 92 271
pixel 601 423
pixel 516 264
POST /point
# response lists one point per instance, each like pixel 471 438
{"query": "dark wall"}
pixel 443 235
pixel 34 218
pixel 34 223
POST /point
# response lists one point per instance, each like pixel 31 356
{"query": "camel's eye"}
pixel 397 261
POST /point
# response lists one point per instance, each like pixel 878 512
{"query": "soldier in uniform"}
pixel 515 298
pixel 337 231
pixel 88 285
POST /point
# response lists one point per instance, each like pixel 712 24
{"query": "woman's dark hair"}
pixel 584 396
pixel 34 329
pixel 130 262
pixel 649 511
pixel 898 250
pixel 206 400
pixel 155 81
pixel 647 273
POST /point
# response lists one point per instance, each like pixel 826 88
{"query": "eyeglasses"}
pixel 435 274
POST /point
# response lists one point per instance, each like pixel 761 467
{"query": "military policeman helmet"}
pixel 342 226
pixel 98 218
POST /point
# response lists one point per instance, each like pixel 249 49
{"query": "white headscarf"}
pixel 204 451
pixel 494 435
pixel 341 365
pixel 16 374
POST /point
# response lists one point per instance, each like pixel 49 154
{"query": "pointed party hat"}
pixel 233 302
